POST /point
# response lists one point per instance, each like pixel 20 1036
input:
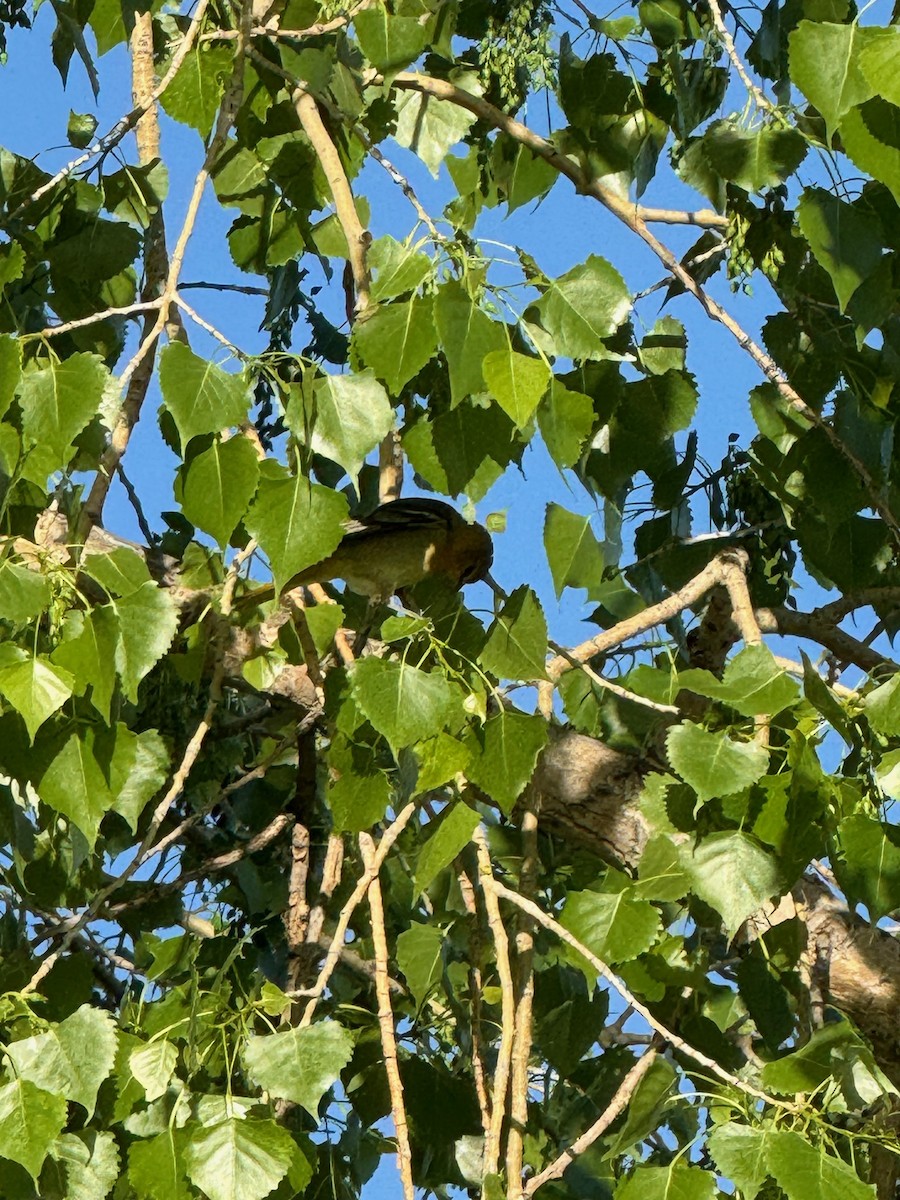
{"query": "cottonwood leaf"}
pixel 201 397
pixel 396 340
pixel 36 689
pixel 504 754
pixel 615 926
pixel 346 417
pixel 674 1182
pixel 733 874
pixel 148 621
pixel 516 646
pixel 430 127
pixel 300 1064
pixel 824 61
pixel 808 1172
pixel 584 306
pixel 516 382
pixel 845 241
pixel 76 785
pixel 24 594
pixel 453 834
pixel 397 267
pixel 238 1158
pixel 72 1059
pixel 156 1166
pixel 419 958
pixel 153 1065
pixel 404 703
pixel 218 485
pixel 565 419
pixel 389 41
pixel 90 657
pixel 573 552
pixel 30 1121
pixel 10 365
pixel 193 95
pixel 714 764
pixel 297 523
pixel 741 1153
pixel 752 683
pixel 58 402
pixel 467 336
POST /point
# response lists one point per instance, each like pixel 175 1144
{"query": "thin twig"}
pixel 727 40
pixel 507 1006
pixel 210 329
pixel 616 1106
pixel 609 975
pixel 523 1033
pixel 657 614
pixel 386 1023
pixel 332 958
pixel 130 310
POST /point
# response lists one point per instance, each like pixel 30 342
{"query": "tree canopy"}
pixel 296 888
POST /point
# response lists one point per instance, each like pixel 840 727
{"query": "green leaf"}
pixel 831 1051
pixel 584 306
pixel 733 874
pixel 467 336
pixel 713 763
pixel 504 754
pixel 239 1158
pixel 201 397
pixel 359 791
pixel 90 1161
pixel 752 683
pixel 59 401
pixel 565 419
pixel 148 621
pixel 463 450
pixel 871 137
pixel 419 958
pixel 10 366
pixel 430 127
pixel 877 59
pixel 807 1172
pixel 397 267
pixel 824 64
pixel 516 646
pixel 36 689
pixel 396 340
pixel 674 1182
pixel 153 1066
pixel 388 41
pixel 404 703
pixel 845 241
pixel 573 552
pixel 297 523
pixel 439 759
pixel 741 1153
pixel 348 417
pixel 24 594
pixel 451 836
pixel 300 1064
pixel 218 486
pixel 866 861
pixel 193 96
pixel 753 159
pixel 30 1121
pixel 156 1167
pixel 615 926
pixel 90 657
pixel 516 382
pixel 70 1060
pixel 120 572
pixel 76 784
pixel 80 129
pixel 526 177
pixel 882 707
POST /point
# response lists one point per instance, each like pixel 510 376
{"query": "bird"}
pixel 397 546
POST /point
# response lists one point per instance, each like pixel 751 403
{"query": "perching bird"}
pixel 398 545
